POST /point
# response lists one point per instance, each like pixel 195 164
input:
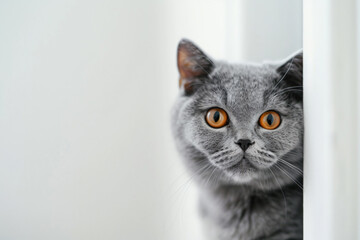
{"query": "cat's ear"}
pixel 193 65
pixel 291 75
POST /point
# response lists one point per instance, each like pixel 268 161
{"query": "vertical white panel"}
pixel 317 134
pixel 358 112
pixel 331 120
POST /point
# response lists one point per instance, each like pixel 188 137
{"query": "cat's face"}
pixel 242 124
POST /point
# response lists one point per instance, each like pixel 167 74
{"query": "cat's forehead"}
pixel 245 85
pixel 245 76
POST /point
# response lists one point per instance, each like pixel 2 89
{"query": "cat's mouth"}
pixel 243 166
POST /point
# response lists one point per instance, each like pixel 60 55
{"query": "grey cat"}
pixel 239 130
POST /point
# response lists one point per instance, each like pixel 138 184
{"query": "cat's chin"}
pixel 242 172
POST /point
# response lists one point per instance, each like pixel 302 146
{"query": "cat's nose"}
pixel 244 144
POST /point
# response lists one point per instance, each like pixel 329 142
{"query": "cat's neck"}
pixel 227 193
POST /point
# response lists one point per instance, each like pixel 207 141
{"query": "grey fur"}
pixel 257 198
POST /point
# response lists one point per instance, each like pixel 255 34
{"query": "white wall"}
pixel 85 93
pixel 268 29
pixel 332 115
pixel 86 88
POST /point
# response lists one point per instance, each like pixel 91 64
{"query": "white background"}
pixel 85 93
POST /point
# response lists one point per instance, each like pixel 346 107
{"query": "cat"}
pixel 239 130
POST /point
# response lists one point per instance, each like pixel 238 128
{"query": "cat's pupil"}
pixel 270 119
pixel 216 116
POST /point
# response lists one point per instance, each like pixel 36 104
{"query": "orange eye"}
pixel 216 117
pixel 270 120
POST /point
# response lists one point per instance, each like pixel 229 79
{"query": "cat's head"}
pixel 239 124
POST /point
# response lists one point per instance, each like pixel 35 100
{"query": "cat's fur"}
pixel 259 197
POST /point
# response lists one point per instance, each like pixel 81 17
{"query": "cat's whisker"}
pixel 288 175
pixel 184 188
pixel 289 88
pixel 206 184
pixel 283 77
pixel 285 203
pixel 291 165
pixel 187 184
pixel 291 168
pixel 293 87
pixel 199 172
pixel 180 192
pixel 283 92
pixel 203 171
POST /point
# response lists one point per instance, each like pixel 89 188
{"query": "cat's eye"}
pixel 270 120
pixel 216 117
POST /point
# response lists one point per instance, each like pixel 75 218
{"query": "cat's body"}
pixel 235 212
pixel 249 176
